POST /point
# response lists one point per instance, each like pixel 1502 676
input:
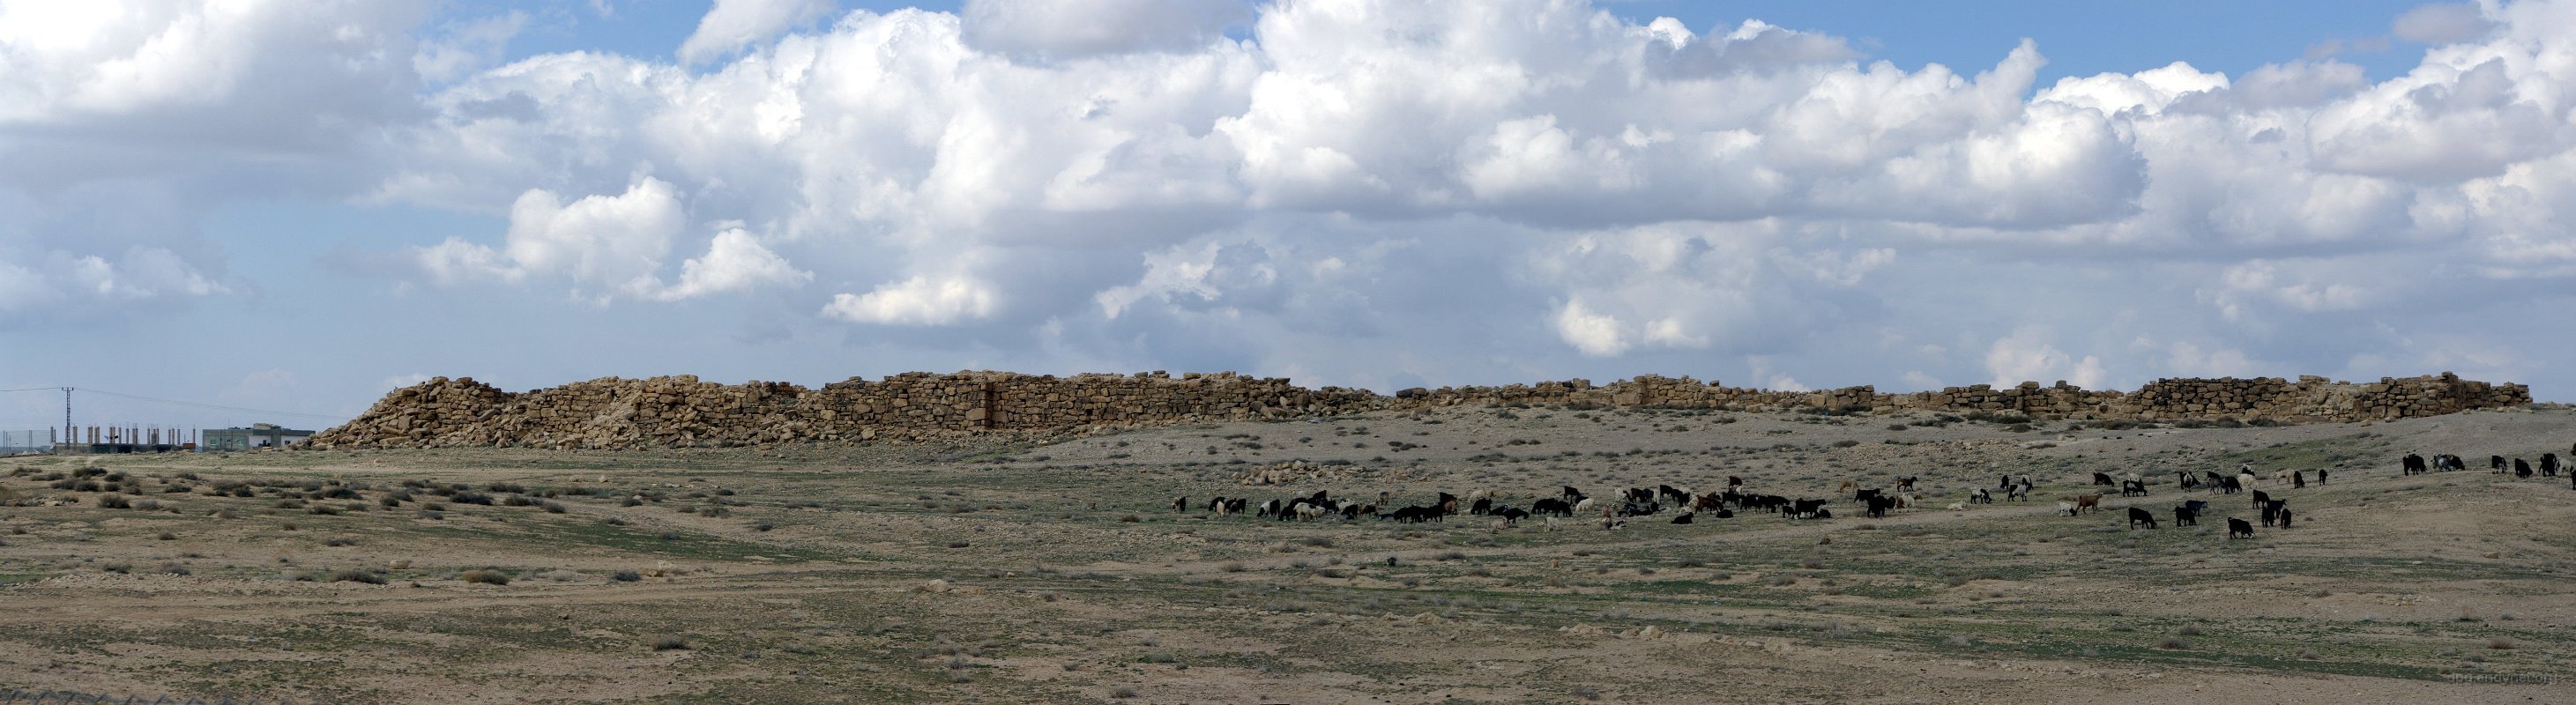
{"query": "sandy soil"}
pixel 806 573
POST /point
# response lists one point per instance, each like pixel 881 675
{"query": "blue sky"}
pixel 304 205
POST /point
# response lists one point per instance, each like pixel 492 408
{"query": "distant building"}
pixel 259 435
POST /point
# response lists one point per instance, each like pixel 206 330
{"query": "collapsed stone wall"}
pixel 667 412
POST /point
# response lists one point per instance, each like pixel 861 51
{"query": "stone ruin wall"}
pixel 668 412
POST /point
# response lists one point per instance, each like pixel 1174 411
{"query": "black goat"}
pixel 2239 528
pixel 2137 516
pixel 2133 488
pixel 1552 506
pixel 2412 464
pixel 2101 478
pixel 2185 516
pixel 1878 506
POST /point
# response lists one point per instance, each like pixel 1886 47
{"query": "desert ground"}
pixel 1006 571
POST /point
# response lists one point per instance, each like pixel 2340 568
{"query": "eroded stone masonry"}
pixel 666 412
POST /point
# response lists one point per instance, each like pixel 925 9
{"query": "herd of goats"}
pixel 1615 510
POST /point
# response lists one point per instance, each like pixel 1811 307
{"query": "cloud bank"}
pixel 1368 191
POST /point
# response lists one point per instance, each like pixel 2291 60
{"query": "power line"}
pixel 217 407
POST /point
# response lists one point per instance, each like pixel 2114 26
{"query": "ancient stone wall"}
pixel 664 412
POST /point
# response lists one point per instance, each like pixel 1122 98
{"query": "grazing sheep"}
pixel 2549 465
pixel 1980 496
pixel 2186 516
pixel 2230 485
pixel 2496 462
pixel 2245 480
pixel 2282 477
pixel 2137 516
pixel 1685 518
pixel 2196 506
pixel 1481 507
pixel 2521 468
pixel 1958 506
pixel 1733 482
pixel 2239 528
pixel 2298 479
pixel 1181 504
pixel 2092 502
pixel 1512 516
pixel 2185 480
pixel 1679 495
pixel 2101 478
pixel 1905 482
pixel 2066 508
pixel 1414 514
pixel 1552 506
pixel 2018 492
pixel 2412 464
pixel 2260 497
pixel 2321 476
pixel 2285 517
pixel 2272 511
pixel 1584 506
pixel 2133 488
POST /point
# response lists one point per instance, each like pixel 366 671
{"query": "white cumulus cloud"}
pixel 732 24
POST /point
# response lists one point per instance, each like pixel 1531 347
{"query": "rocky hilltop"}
pixel 668 412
